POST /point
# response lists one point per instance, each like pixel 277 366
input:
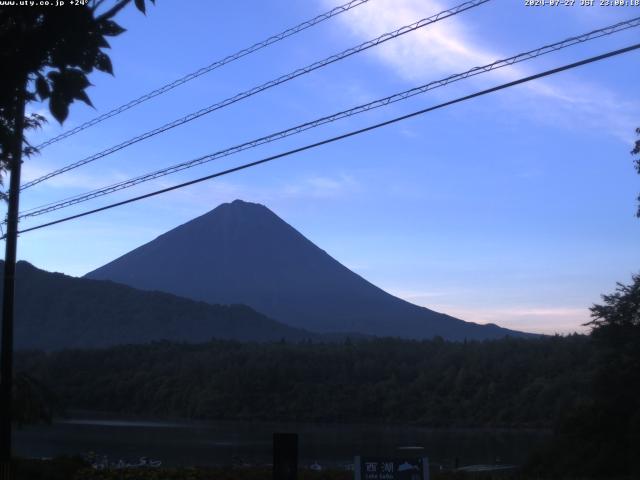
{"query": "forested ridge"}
pixel 501 383
pixel 55 311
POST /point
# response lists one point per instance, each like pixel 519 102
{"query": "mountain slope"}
pixel 243 253
pixel 56 311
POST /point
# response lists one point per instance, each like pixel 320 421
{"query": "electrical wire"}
pixel 270 84
pixel 340 137
pixel 47 208
pixel 217 64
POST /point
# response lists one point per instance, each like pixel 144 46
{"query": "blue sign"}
pixel 369 468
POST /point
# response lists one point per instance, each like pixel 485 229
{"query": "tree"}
pixel 636 151
pixel 621 310
pixel 34 402
pixel 616 335
pixel 46 53
pixel 600 438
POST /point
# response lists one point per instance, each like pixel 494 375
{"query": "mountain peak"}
pixel 236 221
pixel 236 208
pixel 242 252
pixel 238 203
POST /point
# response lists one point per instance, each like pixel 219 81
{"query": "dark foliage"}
pixel 61 468
pixel 602 437
pixel 75 469
pixel 636 151
pixel 46 53
pixel 511 382
pixel 34 403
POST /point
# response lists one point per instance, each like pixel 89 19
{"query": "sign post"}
pixel 285 456
pixel 369 468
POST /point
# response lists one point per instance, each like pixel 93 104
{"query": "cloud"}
pixel 421 296
pixel 321 187
pixel 449 46
pixel 219 191
pixel 537 319
pixel 459 303
pixel 581 105
pixel 442 47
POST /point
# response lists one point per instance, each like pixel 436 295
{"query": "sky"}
pixel 515 208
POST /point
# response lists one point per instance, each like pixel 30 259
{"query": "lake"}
pixel 216 443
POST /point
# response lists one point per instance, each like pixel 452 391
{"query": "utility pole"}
pixel 6 354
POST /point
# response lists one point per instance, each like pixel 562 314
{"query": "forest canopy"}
pixel 510 382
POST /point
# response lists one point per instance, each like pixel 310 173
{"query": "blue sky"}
pixel 515 208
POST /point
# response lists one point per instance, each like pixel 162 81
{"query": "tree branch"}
pixel 96 4
pixel 113 10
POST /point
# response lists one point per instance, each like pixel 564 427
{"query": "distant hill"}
pixel 242 252
pixel 55 311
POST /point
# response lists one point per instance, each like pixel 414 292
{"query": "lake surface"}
pixel 216 443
